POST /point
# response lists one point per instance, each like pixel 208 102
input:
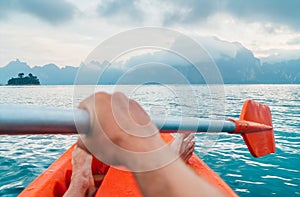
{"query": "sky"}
pixel 64 32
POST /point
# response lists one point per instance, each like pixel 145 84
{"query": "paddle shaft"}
pixel 24 119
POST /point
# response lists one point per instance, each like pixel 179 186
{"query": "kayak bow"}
pixel 54 181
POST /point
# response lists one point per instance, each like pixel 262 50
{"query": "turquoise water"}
pixel 23 158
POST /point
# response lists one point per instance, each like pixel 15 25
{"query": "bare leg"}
pixel 82 182
pixel 184 145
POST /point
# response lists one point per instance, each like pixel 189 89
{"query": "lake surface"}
pixel 23 158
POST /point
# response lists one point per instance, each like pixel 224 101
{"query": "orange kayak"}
pixel 55 180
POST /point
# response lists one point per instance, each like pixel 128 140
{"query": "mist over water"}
pixel 23 158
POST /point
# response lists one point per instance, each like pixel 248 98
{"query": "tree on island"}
pixel 21 75
pixel 21 80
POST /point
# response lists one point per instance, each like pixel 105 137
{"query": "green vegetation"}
pixel 21 80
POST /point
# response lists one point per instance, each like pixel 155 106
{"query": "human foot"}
pixel 82 182
pixel 184 145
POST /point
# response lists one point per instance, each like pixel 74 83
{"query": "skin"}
pixel 82 182
pixel 120 119
pixel 184 146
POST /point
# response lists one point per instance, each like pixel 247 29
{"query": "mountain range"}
pixel 236 64
pixel 49 74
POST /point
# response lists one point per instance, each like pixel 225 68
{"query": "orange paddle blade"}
pixel 262 142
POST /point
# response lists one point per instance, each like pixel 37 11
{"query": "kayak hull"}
pixel 55 180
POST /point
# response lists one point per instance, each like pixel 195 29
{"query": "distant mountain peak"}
pixel 51 66
pixel 17 64
pixel 236 63
pixel 219 48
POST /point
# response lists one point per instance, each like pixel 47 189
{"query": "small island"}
pixel 21 80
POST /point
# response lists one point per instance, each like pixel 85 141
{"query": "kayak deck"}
pixel 55 180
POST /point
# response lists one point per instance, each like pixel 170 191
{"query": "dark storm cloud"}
pixel 52 11
pixel 123 10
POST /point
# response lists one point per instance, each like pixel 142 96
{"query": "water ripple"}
pixel 22 158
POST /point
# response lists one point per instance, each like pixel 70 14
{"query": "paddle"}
pixel 255 124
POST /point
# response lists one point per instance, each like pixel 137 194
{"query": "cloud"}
pixel 193 11
pixel 275 11
pixel 170 12
pixel 5 5
pixel 281 55
pixel 120 10
pixel 190 11
pixel 54 11
pixel 294 41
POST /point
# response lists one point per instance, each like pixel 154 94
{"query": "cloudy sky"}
pixel 64 32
